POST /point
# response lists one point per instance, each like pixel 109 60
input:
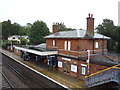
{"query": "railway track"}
pixel 6 83
pixel 30 78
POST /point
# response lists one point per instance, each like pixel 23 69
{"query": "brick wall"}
pixel 93 67
pixel 78 44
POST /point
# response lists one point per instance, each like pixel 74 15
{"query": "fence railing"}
pixel 108 75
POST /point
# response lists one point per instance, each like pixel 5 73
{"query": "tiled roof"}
pixel 79 33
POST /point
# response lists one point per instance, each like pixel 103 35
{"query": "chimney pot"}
pixel 89 14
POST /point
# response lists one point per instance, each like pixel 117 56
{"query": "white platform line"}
pixel 36 71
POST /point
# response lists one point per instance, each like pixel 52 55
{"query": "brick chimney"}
pixel 90 25
pixel 55 27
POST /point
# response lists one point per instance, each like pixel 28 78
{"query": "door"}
pixel 66 67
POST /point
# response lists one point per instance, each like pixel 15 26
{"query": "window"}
pixel 74 68
pixel 96 44
pixel 59 64
pixel 67 45
pixel 83 70
pixel 53 43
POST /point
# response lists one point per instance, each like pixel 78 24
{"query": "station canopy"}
pixel 36 50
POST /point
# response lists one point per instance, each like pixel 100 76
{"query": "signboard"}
pixel 83 70
pixel 84 65
pixel 67 59
pixel 74 68
pixel 59 64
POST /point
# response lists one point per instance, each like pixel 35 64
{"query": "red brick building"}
pixel 73 55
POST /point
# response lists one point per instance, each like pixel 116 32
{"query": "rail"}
pixel 8 82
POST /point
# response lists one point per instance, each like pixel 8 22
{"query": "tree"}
pixel 108 28
pixel 9 29
pixel 117 39
pixel 6 28
pixel 38 30
pixel 62 27
pixel 15 29
pixel 23 41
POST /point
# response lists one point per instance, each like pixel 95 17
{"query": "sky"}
pixel 72 13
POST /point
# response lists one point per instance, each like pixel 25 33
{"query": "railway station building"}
pixel 77 52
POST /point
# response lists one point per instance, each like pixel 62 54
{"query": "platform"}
pixel 68 81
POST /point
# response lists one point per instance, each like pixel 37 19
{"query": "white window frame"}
pixel 96 44
pixel 83 70
pixel 69 45
pixel 65 45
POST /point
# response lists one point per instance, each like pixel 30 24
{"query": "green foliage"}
pixel 9 29
pixel 111 45
pixel 4 44
pixel 108 28
pixel 62 27
pixel 24 41
pixel 15 42
pixel 38 30
pixel 6 28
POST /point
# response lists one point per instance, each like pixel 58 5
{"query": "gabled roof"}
pixel 79 33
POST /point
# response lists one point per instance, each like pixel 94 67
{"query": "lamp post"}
pixel 11 46
pixel 88 61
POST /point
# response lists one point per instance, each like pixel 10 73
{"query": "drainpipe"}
pixel 103 46
pixel 93 46
pixel 88 61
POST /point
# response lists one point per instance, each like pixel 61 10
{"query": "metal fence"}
pixel 105 76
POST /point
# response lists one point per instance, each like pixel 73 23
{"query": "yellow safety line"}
pixel 117 67
pixel 52 75
pixel 65 80
pixel 103 70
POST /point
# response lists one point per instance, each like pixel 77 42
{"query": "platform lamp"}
pixel 88 61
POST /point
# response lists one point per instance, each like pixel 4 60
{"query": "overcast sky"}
pixel 72 13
